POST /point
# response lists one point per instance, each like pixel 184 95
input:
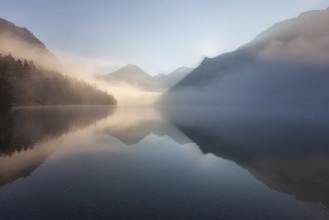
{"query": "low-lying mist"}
pixel 284 67
pixel 38 53
pixel 87 70
pixel 267 87
pixel 79 67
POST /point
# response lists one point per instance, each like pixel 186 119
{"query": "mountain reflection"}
pixel 137 163
pixel 131 125
pixel 286 151
pixel 23 129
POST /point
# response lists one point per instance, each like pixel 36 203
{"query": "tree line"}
pixel 22 83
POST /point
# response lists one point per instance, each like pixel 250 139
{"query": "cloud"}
pixel 129 95
pixel 89 65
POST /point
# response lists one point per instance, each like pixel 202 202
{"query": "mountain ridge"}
pixel 135 76
pixel 284 65
pixel 30 74
pixel 22 43
pixel 19 32
pixel 171 79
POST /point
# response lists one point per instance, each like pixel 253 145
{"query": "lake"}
pixel 171 163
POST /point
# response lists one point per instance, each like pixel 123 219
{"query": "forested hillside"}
pixel 22 83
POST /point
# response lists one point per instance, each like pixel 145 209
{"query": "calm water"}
pixel 140 163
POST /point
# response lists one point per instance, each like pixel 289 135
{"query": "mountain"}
pixel 29 74
pixel 139 123
pixel 286 151
pixel 20 33
pixel 21 43
pixel 24 84
pixel 134 75
pixel 286 65
pixel 170 80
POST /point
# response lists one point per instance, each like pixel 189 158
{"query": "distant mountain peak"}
pixel 130 65
pixel 174 77
pixel 130 69
pixel 183 68
pixel 135 76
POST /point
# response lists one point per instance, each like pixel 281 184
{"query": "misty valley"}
pixel 142 111
pixel 112 163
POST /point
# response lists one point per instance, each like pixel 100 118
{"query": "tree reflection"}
pixel 23 129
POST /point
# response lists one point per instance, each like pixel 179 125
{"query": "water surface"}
pixel 142 163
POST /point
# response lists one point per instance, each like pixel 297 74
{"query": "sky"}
pixel 157 35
